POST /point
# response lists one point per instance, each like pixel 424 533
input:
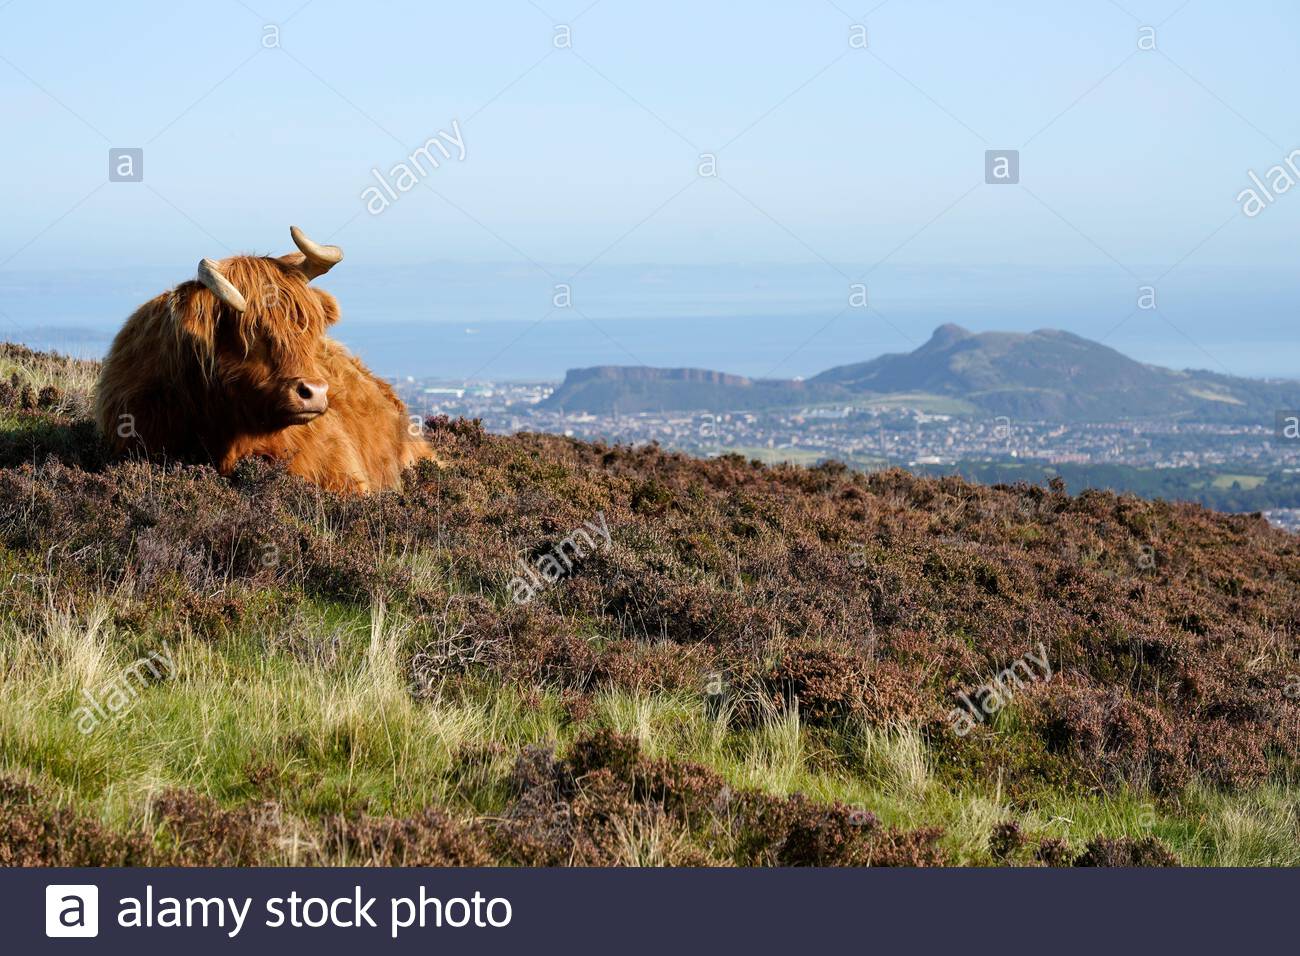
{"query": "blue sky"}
pixel 834 163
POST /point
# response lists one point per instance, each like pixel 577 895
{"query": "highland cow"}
pixel 235 363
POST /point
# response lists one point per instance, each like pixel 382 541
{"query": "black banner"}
pixel 645 911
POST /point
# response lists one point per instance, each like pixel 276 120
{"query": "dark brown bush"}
pixel 579 809
pixel 1006 840
pixel 36 832
pixel 429 838
pixel 195 830
pixel 1053 851
pixel 827 685
pixel 1125 851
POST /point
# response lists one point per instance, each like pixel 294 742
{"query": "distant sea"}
pixel 542 351
pixel 461 323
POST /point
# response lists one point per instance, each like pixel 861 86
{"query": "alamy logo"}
pixel 126 165
pixel 558 562
pixel 1002 167
pixel 1277 180
pixel 994 694
pixel 71 910
pixel 117 695
pixel 1287 426
pixel 405 176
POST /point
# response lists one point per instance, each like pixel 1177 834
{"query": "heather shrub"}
pixel 810 630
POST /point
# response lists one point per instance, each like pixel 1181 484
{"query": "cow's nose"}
pixel 311 396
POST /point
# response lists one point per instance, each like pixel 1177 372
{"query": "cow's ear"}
pixel 329 305
pixel 194 311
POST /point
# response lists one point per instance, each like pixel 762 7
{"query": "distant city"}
pixel 1217 464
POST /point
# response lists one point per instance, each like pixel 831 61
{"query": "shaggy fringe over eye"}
pixel 281 307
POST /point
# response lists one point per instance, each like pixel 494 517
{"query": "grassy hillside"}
pixel 758 666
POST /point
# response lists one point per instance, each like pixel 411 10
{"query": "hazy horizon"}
pixel 792 152
pixel 456 321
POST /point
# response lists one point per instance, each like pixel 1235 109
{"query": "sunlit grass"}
pixel 323 733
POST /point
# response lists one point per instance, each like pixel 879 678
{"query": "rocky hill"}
pixel 613 389
pixel 551 652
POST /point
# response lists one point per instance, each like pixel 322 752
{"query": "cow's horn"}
pixel 318 259
pixel 210 275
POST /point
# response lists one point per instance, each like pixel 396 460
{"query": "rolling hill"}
pixel 1047 375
